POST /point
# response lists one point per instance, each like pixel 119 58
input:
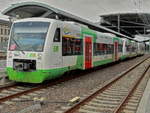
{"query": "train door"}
pixel 88 52
pixel 116 50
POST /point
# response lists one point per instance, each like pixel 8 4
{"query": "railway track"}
pixel 120 95
pixel 13 92
pixel 16 92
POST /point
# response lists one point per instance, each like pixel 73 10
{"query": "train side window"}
pixel 71 46
pixel 102 49
pixel 57 35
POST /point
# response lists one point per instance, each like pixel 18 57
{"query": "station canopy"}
pixel 129 23
pixel 37 9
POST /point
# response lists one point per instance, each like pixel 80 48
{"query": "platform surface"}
pixel 144 106
pixel 2 67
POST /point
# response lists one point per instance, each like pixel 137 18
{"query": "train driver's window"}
pixel 57 35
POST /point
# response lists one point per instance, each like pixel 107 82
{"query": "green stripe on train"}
pixel 123 57
pixel 102 62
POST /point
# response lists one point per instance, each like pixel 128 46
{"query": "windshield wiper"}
pixel 18 45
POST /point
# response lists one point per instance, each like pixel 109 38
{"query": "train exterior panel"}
pixel 40 49
pixel 141 48
pixel 125 49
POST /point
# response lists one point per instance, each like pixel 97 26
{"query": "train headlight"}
pixel 39 56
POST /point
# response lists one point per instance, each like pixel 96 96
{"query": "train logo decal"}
pixel 31 55
pixel 55 48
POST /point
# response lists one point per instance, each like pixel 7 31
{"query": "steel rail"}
pixel 105 86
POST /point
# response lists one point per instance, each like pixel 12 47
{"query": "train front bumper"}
pixel 37 76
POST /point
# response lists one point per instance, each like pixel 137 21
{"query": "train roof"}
pixel 109 34
pixel 37 9
pixel 35 19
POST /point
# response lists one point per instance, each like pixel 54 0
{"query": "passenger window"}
pixel 71 46
pixel 102 49
pixel 57 35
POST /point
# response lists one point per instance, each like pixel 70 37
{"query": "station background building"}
pixel 4 30
pixel 4 34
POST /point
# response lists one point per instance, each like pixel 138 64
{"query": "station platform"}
pixel 144 105
pixel 3 77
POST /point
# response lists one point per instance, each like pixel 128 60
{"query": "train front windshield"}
pixel 28 36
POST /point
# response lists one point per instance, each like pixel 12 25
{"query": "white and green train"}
pixel 40 49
